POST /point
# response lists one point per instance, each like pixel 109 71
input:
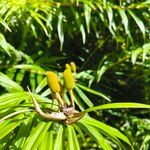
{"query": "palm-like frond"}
pixel 28 130
pixel 83 16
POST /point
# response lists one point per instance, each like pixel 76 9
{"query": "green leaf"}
pixel 146 50
pixel 36 136
pixel 41 85
pixel 4 24
pixel 59 139
pixel 125 21
pixel 73 143
pixel 12 99
pixel 139 23
pixel 79 102
pixel 9 84
pixel 87 13
pixel 47 143
pixel 78 129
pixel 145 142
pixel 93 132
pixel 3 44
pixel 93 92
pixel 37 17
pixel 110 15
pixel 118 105
pixel 79 24
pixel 32 68
pixel 46 93
pixel 101 71
pixel 112 25
pixel 60 29
pixel 8 126
pixel 135 54
pixel 105 128
pixel 23 131
pixel 84 97
pixel 42 135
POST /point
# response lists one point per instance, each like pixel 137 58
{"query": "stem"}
pixel 58 97
pixel 51 116
pixel 72 98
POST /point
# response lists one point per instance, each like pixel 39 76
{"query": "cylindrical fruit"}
pixel 53 82
pixel 73 66
pixel 68 79
pixel 67 66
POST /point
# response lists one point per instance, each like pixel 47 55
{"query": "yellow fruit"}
pixel 73 66
pixel 53 82
pixel 67 66
pixel 68 79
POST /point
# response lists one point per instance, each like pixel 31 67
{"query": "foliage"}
pixel 109 42
pixel 30 130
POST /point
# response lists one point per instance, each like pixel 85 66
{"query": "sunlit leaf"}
pixel 135 54
pixel 32 68
pixel 60 29
pixel 72 139
pixel 9 126
pixel 145 142
pixel 47 143
pixel 79 24
pixel 59 139
pixel 118 105
pixel 87 12
pixel 9 84
pixel 100 72
pixel 105 128
pixel 139 23
pixel 146 50
pixel 100 140
pixel 3 44
pixel 5 24
pixel 41 85
pixel 36 136
pixel 125 21
pixel 23 132
pixel 83 96
pixel 36 16
pixel 94 92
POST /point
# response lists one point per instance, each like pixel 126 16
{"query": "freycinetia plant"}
pixel 47 102
pixel 55 118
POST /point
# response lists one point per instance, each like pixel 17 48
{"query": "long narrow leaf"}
pixel 23 132
pixel 41 136
pixel 3 44
pixel 47 143
pixel 32 68
pixel 118 105
pixel 41 85
pixel 60 29
pixel 35 133
pixel 105 128
pixel 59 139
pixel 8 126
pixel 9 84
pixel 72 139
pixel 84 97
pixel 139 23
pixel 95 135
pixel 93 92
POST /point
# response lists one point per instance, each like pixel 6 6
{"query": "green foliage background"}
pixel 109 41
